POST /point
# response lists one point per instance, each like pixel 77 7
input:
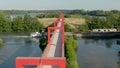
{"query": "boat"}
pixel 35 35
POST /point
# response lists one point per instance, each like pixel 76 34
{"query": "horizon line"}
pixel 59 9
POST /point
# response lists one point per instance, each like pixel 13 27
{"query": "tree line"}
pixel 111 21
pixel 77 11
pixel 19 24
pixel 51 15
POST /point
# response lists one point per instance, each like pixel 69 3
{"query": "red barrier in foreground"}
pixel 22 61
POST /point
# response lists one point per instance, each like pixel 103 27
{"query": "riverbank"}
pixel 71 45
pixel 1 42
pixel 95 34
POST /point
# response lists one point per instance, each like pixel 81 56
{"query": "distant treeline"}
pixel 51 15
pixel 19 11
pixel 82 12
pixel 111 21
pixel 19 24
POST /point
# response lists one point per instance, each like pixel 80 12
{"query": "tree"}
pixel 67 28
pixel 83 28
pixel 4 24
pixel 17 24
pixel 34 24
pixel 27 20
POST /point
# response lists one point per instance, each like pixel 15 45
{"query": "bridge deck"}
pixel 54 52
pixel 55 46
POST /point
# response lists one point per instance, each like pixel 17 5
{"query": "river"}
pixel 98 53
pixel 91 53
pixel 22 15
pixel 18 46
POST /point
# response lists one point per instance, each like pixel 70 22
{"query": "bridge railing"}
pixel 44 60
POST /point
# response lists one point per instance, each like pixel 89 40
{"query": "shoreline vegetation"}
pixel 43 43
pixel 1 42
pixel 85 20
pixel 19 24
pixel 71 45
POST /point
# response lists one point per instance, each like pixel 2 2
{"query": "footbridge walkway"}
pixel 53 55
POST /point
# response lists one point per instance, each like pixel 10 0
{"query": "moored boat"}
pixel 35 35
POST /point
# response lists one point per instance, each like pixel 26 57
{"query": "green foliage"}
pixel 67 28
pixel 43 43
pixel 27 20
pixel 77 12
pixel 111 21
pixel 34 24
pixel 48 15
pixel 74 37
pixel 1 42
pixel 20 24
pixel 4 24
pixel 83 28
pixel 70 45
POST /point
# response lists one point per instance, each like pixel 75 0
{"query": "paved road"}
pixel 55 46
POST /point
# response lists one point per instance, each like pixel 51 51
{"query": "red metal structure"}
pixel 44 60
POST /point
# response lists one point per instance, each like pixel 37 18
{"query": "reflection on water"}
pixel 99 53
pixel 17 46
pixel 118 59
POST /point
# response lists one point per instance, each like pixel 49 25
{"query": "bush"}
pixel 43 43
pixel 70 46
pixel 75 37
pixel 67 28
pixel 83 28
pixel 1 42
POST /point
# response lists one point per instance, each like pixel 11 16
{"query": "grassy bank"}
pixel 73 22
pixel 71 45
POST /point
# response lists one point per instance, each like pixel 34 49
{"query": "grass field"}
pixel 73 22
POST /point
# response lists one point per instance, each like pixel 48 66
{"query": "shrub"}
pixel 70 46
pixel 1 42
pixel 43 43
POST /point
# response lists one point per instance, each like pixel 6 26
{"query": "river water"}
pixel 91 53
pixel 98 53
pixel 22 15
pixel 18 46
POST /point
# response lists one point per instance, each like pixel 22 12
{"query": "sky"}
pixel 59 4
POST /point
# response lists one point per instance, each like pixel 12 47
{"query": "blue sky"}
pixel 59 4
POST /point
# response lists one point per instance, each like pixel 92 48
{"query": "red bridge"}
pixel 53 55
